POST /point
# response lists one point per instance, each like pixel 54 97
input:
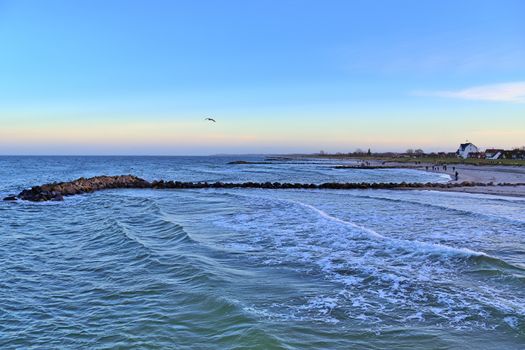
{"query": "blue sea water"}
pixel 256 269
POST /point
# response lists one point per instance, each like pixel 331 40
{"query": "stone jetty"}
pixel 58 190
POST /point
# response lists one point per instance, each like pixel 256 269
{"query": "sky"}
pixel 283 76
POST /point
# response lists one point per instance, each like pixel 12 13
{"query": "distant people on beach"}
pixel 457 174
pixel 438 167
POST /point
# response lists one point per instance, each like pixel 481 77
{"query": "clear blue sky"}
pixel 138 77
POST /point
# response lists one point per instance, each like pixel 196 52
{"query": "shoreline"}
pixel 495 174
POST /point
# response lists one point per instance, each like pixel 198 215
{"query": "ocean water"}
pixel 256 269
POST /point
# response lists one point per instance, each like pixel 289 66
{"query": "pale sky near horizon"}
pixel 139 77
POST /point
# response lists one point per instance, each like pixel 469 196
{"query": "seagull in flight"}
pixel 211 120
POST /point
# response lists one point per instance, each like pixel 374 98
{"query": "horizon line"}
pixel 204 155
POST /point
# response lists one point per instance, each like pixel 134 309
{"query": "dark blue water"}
pixel 256 269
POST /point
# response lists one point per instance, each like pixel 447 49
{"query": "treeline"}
pixel 409 153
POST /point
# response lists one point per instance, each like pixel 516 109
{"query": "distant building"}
pixel 477 155
pixel 518 154
pixel 466 148
pixel 514 154
pixel 493 153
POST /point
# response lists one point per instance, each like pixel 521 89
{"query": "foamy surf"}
pixel 271 269
pixel 374 269
pixel 422 247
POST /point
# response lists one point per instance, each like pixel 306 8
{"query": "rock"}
pixel 57 198
pixel 11 197
pixel 247 162
pixel 239 162
pixel 57 191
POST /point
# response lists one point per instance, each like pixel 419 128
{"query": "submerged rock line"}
pixel 58 190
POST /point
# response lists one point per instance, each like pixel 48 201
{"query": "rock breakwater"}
pixel 58 190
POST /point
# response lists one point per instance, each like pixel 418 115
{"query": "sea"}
pixel 256 268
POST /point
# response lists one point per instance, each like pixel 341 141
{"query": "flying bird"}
pixel 211 120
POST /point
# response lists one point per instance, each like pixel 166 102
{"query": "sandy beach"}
pixel 497 174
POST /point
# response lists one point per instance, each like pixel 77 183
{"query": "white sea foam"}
pixel 512 321
pixel 422 246
pixel 381 274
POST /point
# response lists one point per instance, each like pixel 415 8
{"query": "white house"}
pixel 466 148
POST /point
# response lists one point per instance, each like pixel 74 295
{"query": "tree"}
pixel 359 151
pixel 369 152
pixel 410 151
pixel 419 151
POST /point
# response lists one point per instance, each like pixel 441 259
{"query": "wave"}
pixel 375 274
pixel 444 207
pixel 424 247
pixel 497 262
pixel 152 223
pixel 327 216
pixel 421 246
